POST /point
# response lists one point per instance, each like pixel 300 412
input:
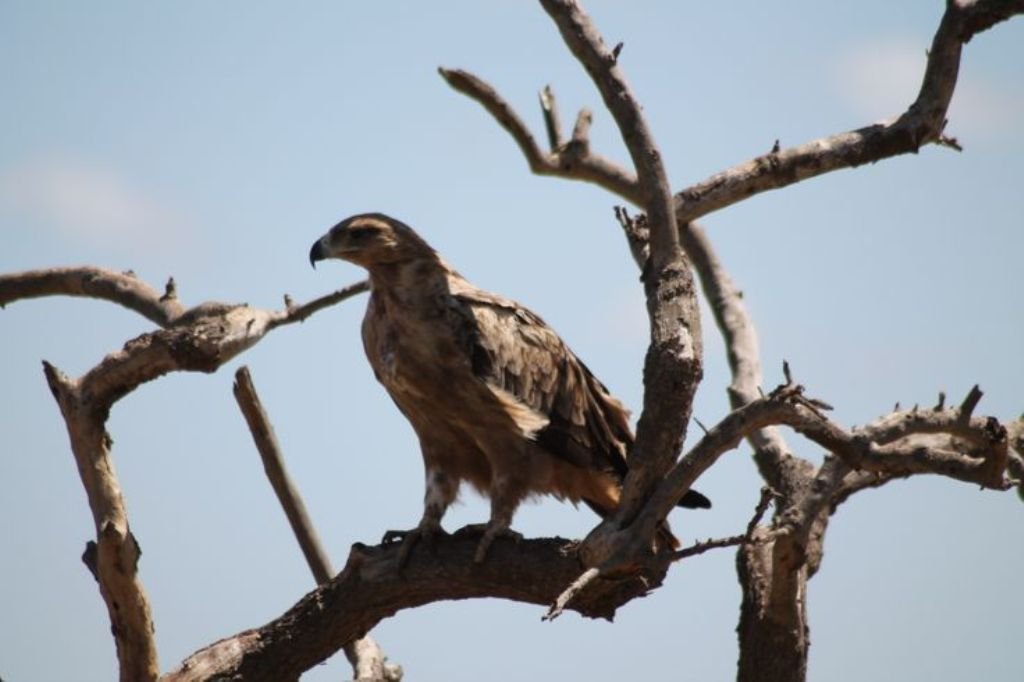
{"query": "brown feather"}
pixel 496 398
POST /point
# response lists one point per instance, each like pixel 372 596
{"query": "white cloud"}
pixel 90 203
pixel 880 79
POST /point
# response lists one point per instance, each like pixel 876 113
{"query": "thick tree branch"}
pixel 673 366
pixel 922 123
pixel 737 329
pixel 741 348
pixel 365 655
pixel 113 558
pixel 371 588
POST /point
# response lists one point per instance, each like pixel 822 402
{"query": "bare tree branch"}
pixel 113 558
pixel 673 366
pixel 284 488
pixel 123 288
pixel 365 655
pixel 741 347
pixel 199 339
pixel 786 405
pixel 922 123
pixel 732 541
pixel 299 313
pixel 573 161
pixel 552 121
pixel 588 576
pixel 371 588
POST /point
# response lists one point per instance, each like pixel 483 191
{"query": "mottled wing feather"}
pixel 517 352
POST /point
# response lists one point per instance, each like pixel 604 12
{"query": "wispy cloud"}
pixel 880 79
pixel 88 202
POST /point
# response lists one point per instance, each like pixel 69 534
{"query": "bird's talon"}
pixel 490 535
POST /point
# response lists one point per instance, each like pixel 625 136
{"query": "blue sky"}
pixel 215 141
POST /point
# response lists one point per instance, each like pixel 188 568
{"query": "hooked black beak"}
pixel 316 253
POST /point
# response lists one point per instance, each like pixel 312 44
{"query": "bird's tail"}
pixel 665 538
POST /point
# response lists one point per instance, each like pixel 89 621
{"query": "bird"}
pixel 496 398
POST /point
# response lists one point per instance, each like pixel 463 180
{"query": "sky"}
pixel 214 142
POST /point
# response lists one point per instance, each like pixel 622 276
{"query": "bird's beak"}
pixel 317 253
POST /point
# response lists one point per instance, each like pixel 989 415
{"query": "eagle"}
pixel 496 398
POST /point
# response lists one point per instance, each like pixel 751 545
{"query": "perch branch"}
pixel 364 654
pixel 371 588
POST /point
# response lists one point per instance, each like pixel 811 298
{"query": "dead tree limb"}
pixel 573 160
pixel 365 655
pixel 198 339
pixel 123 288
pixel 113 557
pixel 922 123
pixel 673 366
pixel 372 588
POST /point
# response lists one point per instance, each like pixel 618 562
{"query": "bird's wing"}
pixel 520 356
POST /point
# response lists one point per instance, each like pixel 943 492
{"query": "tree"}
pixel 775 558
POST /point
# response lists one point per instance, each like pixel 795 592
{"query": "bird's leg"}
pixel 441 491
pixel 505 497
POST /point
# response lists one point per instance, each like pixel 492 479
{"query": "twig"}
pixel 970 402
pixel 552 122
pixel 767 494
pixel 299 313
pixel 570 592
pixel 708 545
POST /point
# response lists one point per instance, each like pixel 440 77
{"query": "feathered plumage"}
pixel 496 398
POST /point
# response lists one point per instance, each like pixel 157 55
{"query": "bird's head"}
pixel 369 240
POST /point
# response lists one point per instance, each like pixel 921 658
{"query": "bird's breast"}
pixel 415 354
